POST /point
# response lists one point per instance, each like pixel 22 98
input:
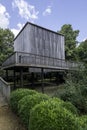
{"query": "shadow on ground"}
pixel 8 120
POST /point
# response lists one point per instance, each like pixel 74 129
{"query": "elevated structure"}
pixel 40 41
pixel 38 47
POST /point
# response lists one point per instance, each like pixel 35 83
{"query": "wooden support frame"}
pixel 42 79
pixel 6 75
pixel 21 77
pixel 14 73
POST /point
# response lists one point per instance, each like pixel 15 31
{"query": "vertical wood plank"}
pixel 21 77
pixel 6 75
pixel 36 40
pixel 42 79
pixel 14 74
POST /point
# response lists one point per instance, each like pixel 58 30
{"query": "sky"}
pixel 51 14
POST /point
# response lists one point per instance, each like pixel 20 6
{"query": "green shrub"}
pixel 83 121
pixel 51 115
pixel 72 92
pixel 26 103
pixel 69 106
pixel 17 95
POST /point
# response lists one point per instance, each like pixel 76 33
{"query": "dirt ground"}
pixel 8 120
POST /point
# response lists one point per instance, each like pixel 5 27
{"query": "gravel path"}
pixel 2 101
pixel 8 120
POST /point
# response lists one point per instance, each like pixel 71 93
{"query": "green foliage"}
pixel 70 107
pixel 27 103
pixel 67 105
pixel 75 90
pixel 17 95
pixel 83 121
pixel 70 41
pixel 82 51
pixel 6 43
pixel 51 115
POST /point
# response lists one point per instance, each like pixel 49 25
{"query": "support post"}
pixel 6 75
pixel 42 79
pixel 57 78
pixel 14 78
pixel 32 80
pixel 21 77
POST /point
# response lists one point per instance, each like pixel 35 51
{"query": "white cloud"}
pixel 47 11
pixel 19 25
pixel 4 17
pixel 84 39
pixel 26 10
pixel 16 31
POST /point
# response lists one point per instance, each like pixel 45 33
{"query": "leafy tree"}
pixel 6 43
pixel 70 41
pixel 75 89
pixel 82 51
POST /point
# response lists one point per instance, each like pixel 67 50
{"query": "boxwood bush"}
pixel 69 106
pixel 51 115
pixel 17 95
pixel 83 121
pixel 28 102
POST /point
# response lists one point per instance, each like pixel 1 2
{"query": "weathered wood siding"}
pixel 36 40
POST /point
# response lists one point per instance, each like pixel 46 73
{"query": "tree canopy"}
pixel 82 51
pixel 6 43
pixel 70 41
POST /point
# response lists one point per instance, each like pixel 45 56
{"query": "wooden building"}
pixel 40 41
pixel 37 48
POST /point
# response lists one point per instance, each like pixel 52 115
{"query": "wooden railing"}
pixel 10 60
pixel 5 88
pixel 38 60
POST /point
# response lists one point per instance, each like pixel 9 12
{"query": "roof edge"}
pixel 37 26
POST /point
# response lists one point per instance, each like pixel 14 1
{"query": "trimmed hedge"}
pixel 17 95
pixel 28 102
pixel 83 121
pixel 51 115
pixel 69 106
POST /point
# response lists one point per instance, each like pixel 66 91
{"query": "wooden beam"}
pixel 14 73
pixel 42 79
pixel 21 77
pixel 6 75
